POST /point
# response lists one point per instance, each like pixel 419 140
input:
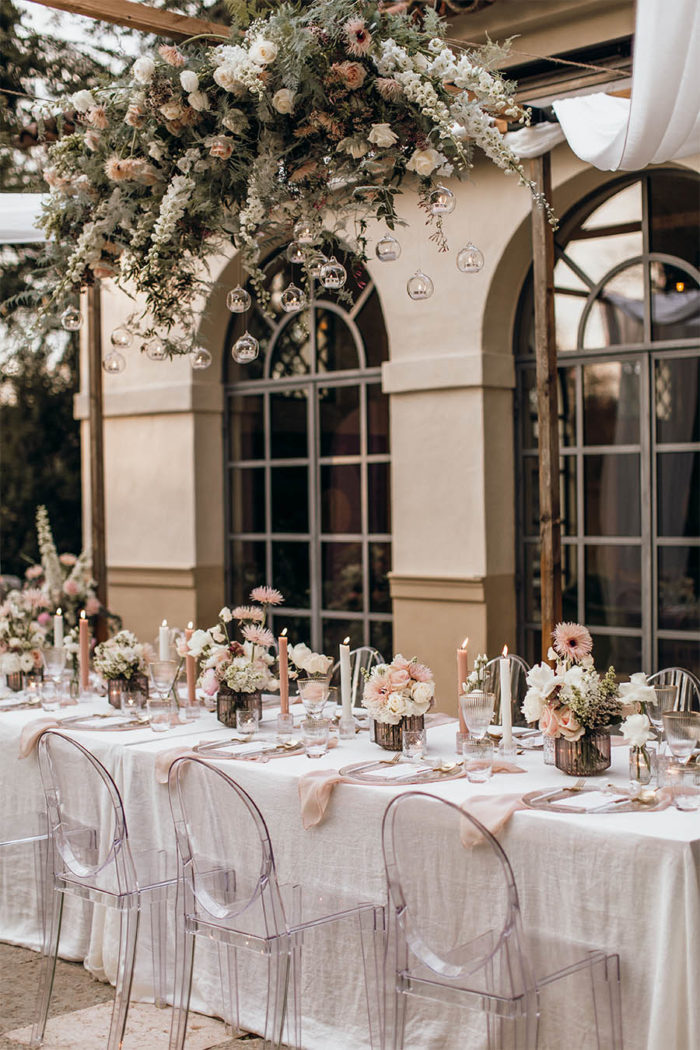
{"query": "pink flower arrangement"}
pixel 399 689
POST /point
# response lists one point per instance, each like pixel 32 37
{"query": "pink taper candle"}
pixel 284 673
pixel 84 650
pixel 462 671
pixel 190 668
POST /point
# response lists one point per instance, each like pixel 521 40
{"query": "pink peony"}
pixel 92 605
pixel 266 596
pixel 43 619
pixel 572 641
pixel 398 679
pixel 549 723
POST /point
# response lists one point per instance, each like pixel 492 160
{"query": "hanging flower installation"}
pixel 302 128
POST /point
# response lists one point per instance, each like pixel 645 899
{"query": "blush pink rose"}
pixel 92 606
pixel 569 725
pixel 399 679
pixel 549 722
pixel 71 588
pixel 209 682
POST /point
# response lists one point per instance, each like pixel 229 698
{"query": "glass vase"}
pixel 389 736
pixel 228 702
pixel 584 757
pixel 640 765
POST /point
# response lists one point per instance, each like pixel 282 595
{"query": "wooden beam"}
pixel 547 410
pixel 139 16
pixel 96 426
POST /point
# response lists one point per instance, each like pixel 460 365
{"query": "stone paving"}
pixel 82 1005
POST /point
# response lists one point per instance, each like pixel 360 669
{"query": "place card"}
pixel 398 772
pixel 585 801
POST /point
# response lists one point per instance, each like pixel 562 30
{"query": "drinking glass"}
pixel 247 722
pixel 665 699
pixel 682 729
pixel 685 784
pixel 162 710
pixel 50 695
pixel 285 727
pixel 314 693
pixel 477 708
pixel 478 759
pixel 54 659
pixel 413 744
pixel 132 702
pixel 315 734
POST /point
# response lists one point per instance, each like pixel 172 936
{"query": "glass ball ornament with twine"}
pixel 470 259
pixel 441 201
pixel 113 363
pixel 155 349
pixel 121 338
pixel 306 231
pixel 238 300
pixel 315 264
pixel 387 249
pixel 200 358
pixel 333 274
pixel 245 349
pixel 420 286
pixel 71 319
pixel 292 299
pixel 296 253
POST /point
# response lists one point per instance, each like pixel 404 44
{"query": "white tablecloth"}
pixel 628 883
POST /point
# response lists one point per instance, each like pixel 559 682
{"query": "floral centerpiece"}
pixel 237 671
pixel 22 633
pixel 123 661
pixel 302 125
pixel 397 696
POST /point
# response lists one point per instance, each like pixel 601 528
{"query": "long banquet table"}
pixel 628 882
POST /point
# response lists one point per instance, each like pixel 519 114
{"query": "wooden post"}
pixel 97 465
pixel 140 16
pixel 547 410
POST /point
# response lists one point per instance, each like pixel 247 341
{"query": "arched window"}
pixel 308 464
pixel 627 294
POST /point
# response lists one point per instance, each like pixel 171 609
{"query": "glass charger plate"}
pixel 387 774
pixel 12 703
pixel 246 752
pixel 589 799
pixel 103 723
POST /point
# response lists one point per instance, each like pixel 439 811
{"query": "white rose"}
pixel 533 705
pixel 396 704
pixel 226 615
pixel 263 51
pixel 318 664
pixel 217 634
pixel 143 69
pixel 83 101
pixel 636 729
pixel 189 80
pixel 199 100
pixel 382 135
pixel 425 161
pixel 299 654
pixel 354 146
pixel 423 692
pixel 283 100
pixel 225 77
pixel 197 642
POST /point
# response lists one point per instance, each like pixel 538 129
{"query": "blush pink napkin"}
pixel 165 759
pixel 493 811
pixel 32 731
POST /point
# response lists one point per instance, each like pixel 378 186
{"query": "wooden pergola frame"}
pixel 177 27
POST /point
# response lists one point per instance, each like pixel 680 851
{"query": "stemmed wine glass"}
pixel 477 708
pixel 665 699
pixel 682 731
pixel 314 693
pixel 160 703
pixel 54 659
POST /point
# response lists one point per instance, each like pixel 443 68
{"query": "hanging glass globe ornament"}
pixel 441 201
pixel 114 363
pixel 245 349
pixel 306 231
pixel 315 264
pixel 155 349
pixel 419 286
pixel 387 249
pixel 333 274
pixel 238 300
pixel 296 253
pixel 292 299
pixel 121 338
pixel 71 319
pixel 470 259
pixel 199 358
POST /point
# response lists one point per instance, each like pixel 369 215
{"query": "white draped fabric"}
pixel 18 215
pixel 661 121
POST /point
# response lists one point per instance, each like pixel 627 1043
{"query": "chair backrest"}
pixel 518 686
pixel 86 818
pixel 364 658
pixel 688 686
pixel 452 891
pixel 224 850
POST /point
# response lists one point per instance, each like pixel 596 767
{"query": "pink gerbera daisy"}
pixel 266 596
pixel 258 635
pixel 572 641
pixel 248 612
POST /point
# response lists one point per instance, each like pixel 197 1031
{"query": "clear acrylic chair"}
pixel 457 938
pixel 90 858
pixel 518 686
pixel 27 831
pixel 228 892
pixel 364 658
pixel 688 686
